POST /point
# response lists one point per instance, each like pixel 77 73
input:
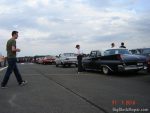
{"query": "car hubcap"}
pixel 105 70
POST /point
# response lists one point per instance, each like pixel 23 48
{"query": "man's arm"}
pixel 14 49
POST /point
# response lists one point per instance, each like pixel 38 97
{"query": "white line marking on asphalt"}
pixel 68 74
pixel 3 68
pixel 26 74
pixel 26 63
pixel 29 74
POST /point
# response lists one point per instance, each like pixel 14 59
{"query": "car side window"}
pixel 99 54
pixel 135 52
pixel 112 52
pixel 93 54
pixel 106 53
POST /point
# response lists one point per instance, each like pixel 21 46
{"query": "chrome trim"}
pixel 107 67
pixel 133 67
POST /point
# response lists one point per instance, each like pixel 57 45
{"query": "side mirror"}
pixel 57 56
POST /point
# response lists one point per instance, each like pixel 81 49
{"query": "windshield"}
pixel 146 51
pixel 69 54
pixel 116 51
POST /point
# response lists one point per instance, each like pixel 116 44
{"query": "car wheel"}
pixel 148 69
pixel 64 65
pixel 83 67
pixel 56 65
pixel 105 70
pixel 76 65
pixel 135 71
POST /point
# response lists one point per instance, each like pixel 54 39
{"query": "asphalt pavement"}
pixel 52 89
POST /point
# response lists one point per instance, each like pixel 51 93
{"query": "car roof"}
pixel 139 48
pixel 117 49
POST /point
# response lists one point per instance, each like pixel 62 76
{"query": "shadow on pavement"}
pixel 123 74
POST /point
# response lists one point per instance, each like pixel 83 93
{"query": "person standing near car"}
pixel 12 60
pixel 122 45
pixel 79 58
pixel 112 45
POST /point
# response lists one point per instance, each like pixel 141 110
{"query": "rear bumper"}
pixel 70 62
pixel 49 61
pixel 130 68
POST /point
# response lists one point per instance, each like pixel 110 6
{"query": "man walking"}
pixel 79 58
pixel 11 58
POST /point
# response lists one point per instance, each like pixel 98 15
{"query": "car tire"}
pixel 76 65
pixel 83 68
pixel 148 69
pixel 64 65
pixel 135 71
pixel 105 70
pixel 57 65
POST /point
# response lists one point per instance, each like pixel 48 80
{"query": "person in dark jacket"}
pixel 79 58
pixel 112 45
pixel 122 45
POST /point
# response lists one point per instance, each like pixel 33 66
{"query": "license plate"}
pixel 145 67
pixel 139 64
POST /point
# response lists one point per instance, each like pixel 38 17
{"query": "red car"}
pixel 48 60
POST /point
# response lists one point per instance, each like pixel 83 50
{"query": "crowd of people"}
pixel 121 46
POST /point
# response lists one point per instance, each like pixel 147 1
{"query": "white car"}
pixel 66 59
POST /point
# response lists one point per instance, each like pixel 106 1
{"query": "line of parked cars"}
pixel 109 61
pixel 2 61
pixel 45 59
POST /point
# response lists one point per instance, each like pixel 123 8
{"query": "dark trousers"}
pixel 12 67
pixel 79 63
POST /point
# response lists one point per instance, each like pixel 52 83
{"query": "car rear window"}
pixel 116 51
pixel 146 51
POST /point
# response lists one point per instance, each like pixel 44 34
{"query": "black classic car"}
pixel 114 60
pixel 144 52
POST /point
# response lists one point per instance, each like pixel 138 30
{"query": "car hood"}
pixel 71 57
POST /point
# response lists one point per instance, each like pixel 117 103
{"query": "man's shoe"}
pixel 23 83
pixel 4 87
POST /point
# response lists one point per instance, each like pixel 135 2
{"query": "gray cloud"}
pixel 63 22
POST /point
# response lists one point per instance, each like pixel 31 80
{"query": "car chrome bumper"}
pixel 128 68
pixel 133 68
pixel 69 62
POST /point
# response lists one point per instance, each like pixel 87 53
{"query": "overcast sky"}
pixel 56 26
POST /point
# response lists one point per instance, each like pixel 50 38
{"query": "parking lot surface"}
pixel 52 89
